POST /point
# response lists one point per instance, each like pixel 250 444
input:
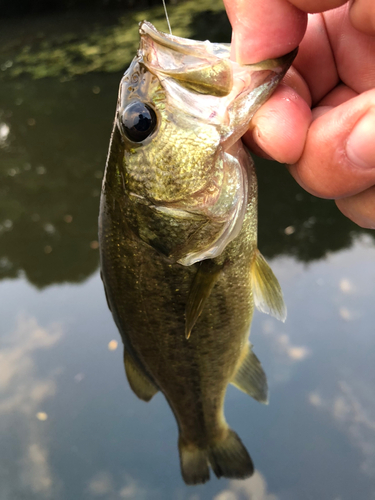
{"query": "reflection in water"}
pixel 35 471
pixel 103 484
pixel 283 343
pixel 285 353
pixel 4 133
pixel 50 177
pixel 254 488
pixel 98 425
pixel 22 397
pixel 21 390
pixel 353 409
pixel 112 345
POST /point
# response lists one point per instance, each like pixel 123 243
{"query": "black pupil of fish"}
pixel 139 121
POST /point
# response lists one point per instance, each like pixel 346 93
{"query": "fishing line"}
pixel 166 15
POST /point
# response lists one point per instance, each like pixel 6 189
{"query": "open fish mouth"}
pixel 206 69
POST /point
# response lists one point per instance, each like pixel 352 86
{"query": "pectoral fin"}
pixel 250 377
pixel 140 383
pixel 268 296
pixel 207 275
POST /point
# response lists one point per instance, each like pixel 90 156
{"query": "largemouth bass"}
pixel 178 238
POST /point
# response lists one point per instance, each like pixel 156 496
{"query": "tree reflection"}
pixel 293 222
pixel 50 177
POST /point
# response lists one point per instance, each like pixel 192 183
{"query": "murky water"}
pixel 70 427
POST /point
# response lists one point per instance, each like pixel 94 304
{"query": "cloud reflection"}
pixel 20 389
pixel 283 343
pixel 103 485
pixel 36 472
pixel 253 488
pixel 22 395
pixel 353 408
pixel 346 286
pixel 287 353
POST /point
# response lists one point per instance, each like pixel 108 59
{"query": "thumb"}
pixel 264 29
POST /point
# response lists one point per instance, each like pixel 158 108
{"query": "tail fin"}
pixel 194 463
pixel 228 458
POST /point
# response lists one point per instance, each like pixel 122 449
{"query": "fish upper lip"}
pixel 177 44
pixel 146 28
pixel 185 46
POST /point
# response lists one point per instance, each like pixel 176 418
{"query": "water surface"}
pixel 70 427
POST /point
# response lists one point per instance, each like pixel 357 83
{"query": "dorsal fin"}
pixel 207 275
pixel 250 377
pixel 140 383
pixel 268 296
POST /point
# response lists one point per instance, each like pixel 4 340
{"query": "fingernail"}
pixel 233 47
pixel 237 47
pixel 360 147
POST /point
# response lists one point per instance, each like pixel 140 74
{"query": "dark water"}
pixel 70 427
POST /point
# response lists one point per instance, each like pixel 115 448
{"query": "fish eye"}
pixel 138 121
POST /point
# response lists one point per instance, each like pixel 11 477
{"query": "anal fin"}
pixel 250 377
pixel 207 275
pixel 268 296
pixel 140 383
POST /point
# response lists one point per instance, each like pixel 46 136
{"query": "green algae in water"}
pixel 81 50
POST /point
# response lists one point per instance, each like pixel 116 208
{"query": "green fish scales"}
pixel 178 238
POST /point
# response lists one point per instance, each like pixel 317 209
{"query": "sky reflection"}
pixel 23 393
pixel 72 428
pixel 254 488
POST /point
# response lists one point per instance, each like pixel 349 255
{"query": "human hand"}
pixel 321 119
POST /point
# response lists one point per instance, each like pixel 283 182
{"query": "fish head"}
pixel 183 106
